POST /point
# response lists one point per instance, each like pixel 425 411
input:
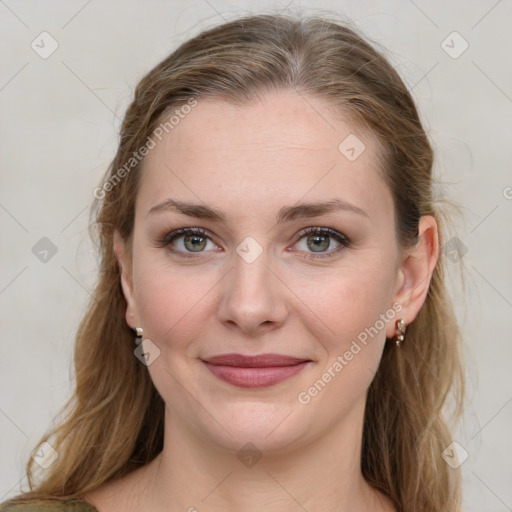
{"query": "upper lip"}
pixel 258 361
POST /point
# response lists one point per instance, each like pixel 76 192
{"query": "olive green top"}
pixel 48 506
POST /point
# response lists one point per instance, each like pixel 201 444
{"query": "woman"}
pixel 269 237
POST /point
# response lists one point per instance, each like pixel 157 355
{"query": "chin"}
pixel 268 427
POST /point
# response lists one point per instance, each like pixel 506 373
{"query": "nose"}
pixel 253 299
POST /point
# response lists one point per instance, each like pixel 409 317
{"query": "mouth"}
pixel 259 371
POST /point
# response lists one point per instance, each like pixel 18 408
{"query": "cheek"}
pixel 172 302
pixel 346 303
pixel 354 308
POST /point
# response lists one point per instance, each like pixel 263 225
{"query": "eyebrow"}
pixel 286 213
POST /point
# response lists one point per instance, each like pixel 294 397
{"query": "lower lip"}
pixel 254 377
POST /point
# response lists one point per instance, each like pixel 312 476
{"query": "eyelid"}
pixel 322 231
pixel 175 233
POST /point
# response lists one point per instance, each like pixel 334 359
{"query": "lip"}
pixel 258 371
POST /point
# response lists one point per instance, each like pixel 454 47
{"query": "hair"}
pixel 114 422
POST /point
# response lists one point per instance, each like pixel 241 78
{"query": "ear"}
pixel 415 272
pixel 125 269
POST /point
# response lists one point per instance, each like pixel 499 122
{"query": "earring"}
pixel 401 326
pixel 139 331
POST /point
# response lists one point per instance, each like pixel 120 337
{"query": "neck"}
pixel 192 474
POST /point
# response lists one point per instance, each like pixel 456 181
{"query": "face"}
pixel 289 250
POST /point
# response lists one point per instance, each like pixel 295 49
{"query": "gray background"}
pixel 60 119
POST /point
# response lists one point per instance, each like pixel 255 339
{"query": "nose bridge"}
pixel 252 295
pixel 251 277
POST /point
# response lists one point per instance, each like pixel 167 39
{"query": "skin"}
pixel 249 162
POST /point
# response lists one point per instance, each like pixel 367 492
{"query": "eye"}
pixel 314 242
pixel 186 241
pixel 320 243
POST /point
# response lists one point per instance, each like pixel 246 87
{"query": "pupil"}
pixel 197 242
pixel 320 242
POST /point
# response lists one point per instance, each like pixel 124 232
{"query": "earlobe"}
pixel 417 268
pixel 124 264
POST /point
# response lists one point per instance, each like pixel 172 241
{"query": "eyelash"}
pixel 343 240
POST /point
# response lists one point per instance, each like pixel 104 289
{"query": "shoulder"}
pixel 49 505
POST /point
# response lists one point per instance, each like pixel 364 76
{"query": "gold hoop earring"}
pixel 401 327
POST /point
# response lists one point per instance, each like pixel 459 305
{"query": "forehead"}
pixel 283 147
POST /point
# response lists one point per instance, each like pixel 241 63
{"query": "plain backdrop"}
pixel 60 116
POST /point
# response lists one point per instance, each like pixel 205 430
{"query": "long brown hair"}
pixel 113 423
